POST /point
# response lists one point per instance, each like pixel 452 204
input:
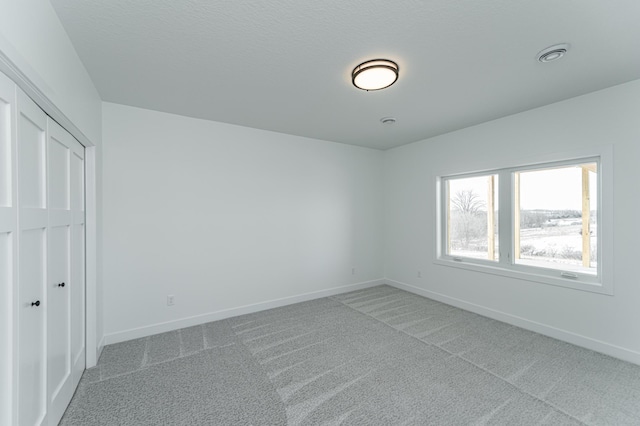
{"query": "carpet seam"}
pixel 547 403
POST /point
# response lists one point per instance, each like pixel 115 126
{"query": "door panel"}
pixel 32 380
pixel 7 259
pixel 7 96
pixel 32 263
pixel 8 247
pixel 31 169
pixel 58 174
pixel 66 286
pixel 58 313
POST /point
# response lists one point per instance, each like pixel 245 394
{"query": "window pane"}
pixel 558 216
pixel 472 213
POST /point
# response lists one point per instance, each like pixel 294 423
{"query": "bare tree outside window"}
pixel 469 217
pixel 467 201
pixel 471 229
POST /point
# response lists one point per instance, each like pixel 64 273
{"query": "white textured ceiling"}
pixel 284 65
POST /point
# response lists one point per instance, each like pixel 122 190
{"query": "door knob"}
pixel 61 285
pixel 36 303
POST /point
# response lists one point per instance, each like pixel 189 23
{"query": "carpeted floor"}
pixel 379 356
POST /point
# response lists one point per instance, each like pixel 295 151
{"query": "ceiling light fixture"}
pixel 553 53
pixel 375 74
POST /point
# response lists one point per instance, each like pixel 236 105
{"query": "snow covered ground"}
pixel 556 245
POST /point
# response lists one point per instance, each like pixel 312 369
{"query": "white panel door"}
pixel 59 375
pixel 8 246
pixel 32 262
pixel 65 324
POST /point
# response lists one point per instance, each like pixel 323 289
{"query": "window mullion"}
pixel 505 219
pixel 443 210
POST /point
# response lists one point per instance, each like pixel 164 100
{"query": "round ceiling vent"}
pixel 388 120
pixel 553 53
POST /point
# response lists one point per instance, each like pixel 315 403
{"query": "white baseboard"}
pixel 149 330
pixel 567 336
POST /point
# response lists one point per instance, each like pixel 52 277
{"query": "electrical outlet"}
pixel 170 300
pixel 419 274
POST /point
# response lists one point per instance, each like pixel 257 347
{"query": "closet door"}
pixel 8 245
pixel 65 324
pixel 32 262
pixel 59 376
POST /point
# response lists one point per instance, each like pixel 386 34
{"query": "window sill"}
pixel 526 275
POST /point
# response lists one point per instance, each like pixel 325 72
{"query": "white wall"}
pixel 608 117
pixel 33 38
pixel 223 216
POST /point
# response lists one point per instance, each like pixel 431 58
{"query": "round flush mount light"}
pixel 388 120
pixel 553 53
pixel 375 74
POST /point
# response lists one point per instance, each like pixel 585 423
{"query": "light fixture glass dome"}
pixel 375 74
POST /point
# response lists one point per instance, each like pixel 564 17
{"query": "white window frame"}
pixel 602 282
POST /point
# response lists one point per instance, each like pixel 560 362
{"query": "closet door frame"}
pixel 13 86
pixel 94 339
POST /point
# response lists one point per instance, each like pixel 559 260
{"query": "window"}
pixel 540 222
pixel 556 213
pixel 472 217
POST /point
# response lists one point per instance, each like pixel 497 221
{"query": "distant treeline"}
pixel 541 218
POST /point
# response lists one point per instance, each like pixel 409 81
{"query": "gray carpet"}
pixel 379 356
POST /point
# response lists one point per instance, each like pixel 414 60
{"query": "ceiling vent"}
pixel 553 53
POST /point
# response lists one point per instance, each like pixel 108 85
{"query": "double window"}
pixel 538 222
